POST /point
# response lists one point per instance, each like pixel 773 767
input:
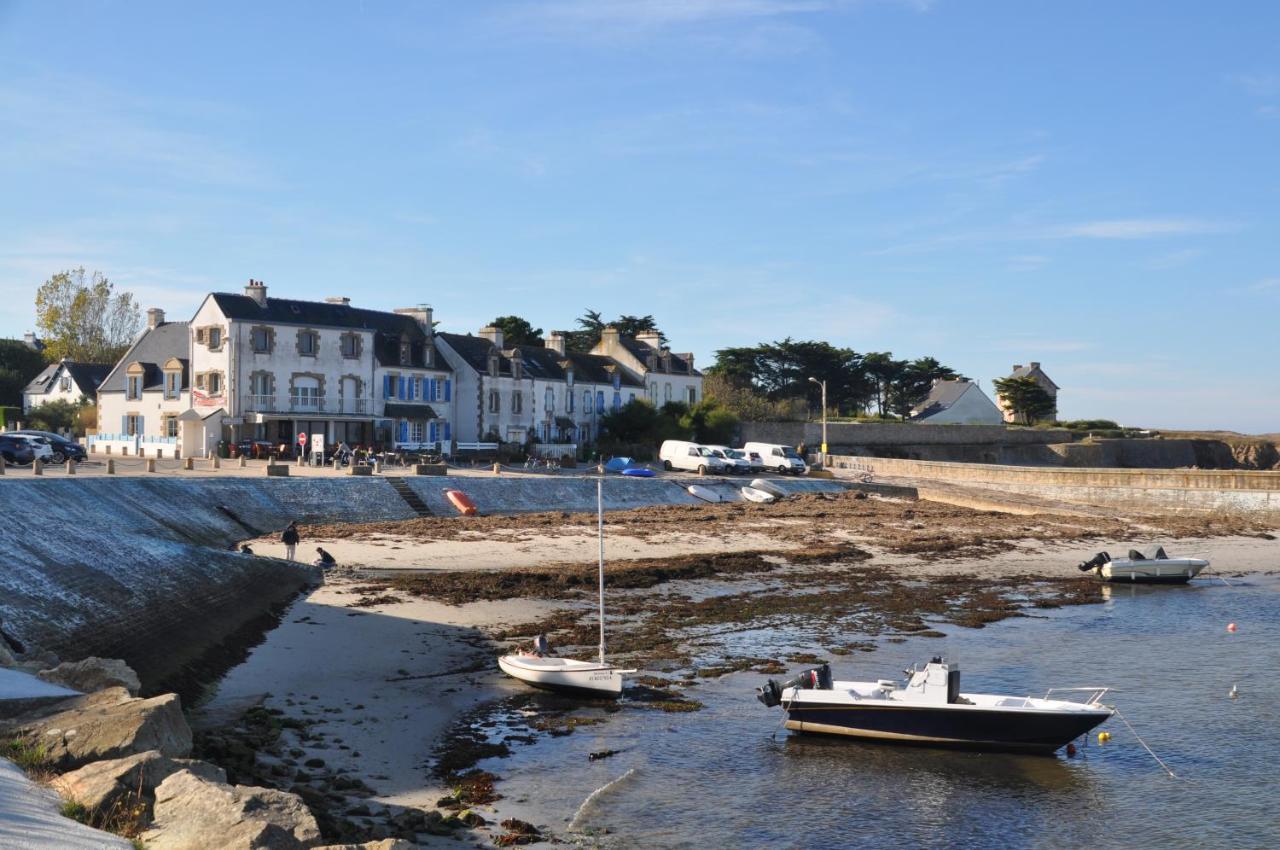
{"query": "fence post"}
pixel 188 463
pixel 217 462
pixel 160 453
pixel 108 448
pixel 377 467
pixel 1 465
pixel 71 466
pixel 151 464
pixel 242 462
pixel 37 466
pixel 111 465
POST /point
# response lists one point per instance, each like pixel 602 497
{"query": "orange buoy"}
pixel 1231 627
pixel 462 502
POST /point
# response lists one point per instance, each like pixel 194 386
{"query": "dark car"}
pixel 16 451
pixel 63 449
pixel 255 449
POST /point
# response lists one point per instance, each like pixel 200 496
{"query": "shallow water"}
pixel 727 776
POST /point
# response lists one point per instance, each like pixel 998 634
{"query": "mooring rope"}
pixel 578 815
pixel 1145 747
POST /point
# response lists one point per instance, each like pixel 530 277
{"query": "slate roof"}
pixel 87 376
pixel 590 368
pixel 156 346
pixel 943 395
pixel 539 362
pixel 474 350
pixel 40 383
pixel 641 351
pixel 1030 372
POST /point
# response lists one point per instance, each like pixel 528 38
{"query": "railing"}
pixel 316 404
pixel 260 403
pixel 477 447
pixel 556 449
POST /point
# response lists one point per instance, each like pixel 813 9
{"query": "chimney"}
pixel 155 318
pixel 1017 366
pixel 653 339
pixel 30 340
pixel 555 341
pixel 421 314
pixel 1035 364
pixel 338 299
pixel 257 290
pixel 493 335
pixel 610 339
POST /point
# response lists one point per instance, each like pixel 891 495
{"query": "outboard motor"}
pixel 816 678
pixel 1094 563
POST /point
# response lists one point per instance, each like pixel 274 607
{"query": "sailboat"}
pixel 591 679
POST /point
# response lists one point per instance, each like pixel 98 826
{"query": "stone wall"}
pixel 900 434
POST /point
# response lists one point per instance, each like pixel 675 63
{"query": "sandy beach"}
pixel 400 642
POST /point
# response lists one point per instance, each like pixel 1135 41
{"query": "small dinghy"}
pixel 930 710
pixel 1149 566
pixel 591 679
pixel 769 487
pixel 754 494
pixel 638 472
pixel 706 494
pixel 462 502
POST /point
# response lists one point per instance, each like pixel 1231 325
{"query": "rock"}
pixel 101 784
pixel 193 813
pixel 6 657
pixel 385 844
pixel 107 725
pixel 94 674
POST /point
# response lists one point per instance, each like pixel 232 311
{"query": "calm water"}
pixel 718 778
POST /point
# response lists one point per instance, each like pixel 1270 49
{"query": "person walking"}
pixel 290 537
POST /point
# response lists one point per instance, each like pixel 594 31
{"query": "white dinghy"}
pixel 1150 566
pixel 769 487
pixel 591 679
pixel 706 494
pixel 752 494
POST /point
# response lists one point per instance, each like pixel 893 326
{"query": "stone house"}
pixel 142 400
pixel 67 380
pixel 1033 371
pixel 957 402
pixel 664 375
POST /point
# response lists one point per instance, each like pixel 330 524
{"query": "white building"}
pixel 67 380
pixel 664 375
pixel 142 399
pixel 957 402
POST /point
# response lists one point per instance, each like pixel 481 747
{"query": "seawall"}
pixel 139 568
pixel 962 443
pixel 1194 490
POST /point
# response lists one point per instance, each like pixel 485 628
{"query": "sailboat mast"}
pixel 600 529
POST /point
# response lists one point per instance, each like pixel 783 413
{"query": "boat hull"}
pixel 461 502
pixel 754 494
pixel 575 678
pixel 1170 571
pixel 1040 732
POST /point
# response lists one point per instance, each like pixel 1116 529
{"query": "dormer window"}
pixel 406 353
pixel 517 367
pixel 172 378
pixel 65 384
pixel 428 356
pixel 135 387
pixel 493 365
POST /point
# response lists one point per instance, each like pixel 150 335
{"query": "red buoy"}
pixel 1231 627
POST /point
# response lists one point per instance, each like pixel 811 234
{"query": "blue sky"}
pixel 1092 185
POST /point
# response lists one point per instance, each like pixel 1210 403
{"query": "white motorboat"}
pixel 769 487
pixel 930 710
pixel 753 494
pixel 706 494
pixel 594 679
pixel 1151 566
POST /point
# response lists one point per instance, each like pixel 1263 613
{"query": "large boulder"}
pixel 94 674
pixel 102 784
pixel 193 813
pixel 107 725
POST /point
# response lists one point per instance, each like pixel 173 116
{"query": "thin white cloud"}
pixel 1136 228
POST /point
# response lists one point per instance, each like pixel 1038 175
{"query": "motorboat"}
pixel 754 494
pixel 593 679
pixel 638 472
pixel 706 494
pixel 461 502
pixel 1149 566
pixel 931 710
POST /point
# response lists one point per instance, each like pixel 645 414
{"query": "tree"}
pixel 517 331
pixel 1029 401
pixel 83 318
pixel 58 415
pixel 884 371
pixel 914 382
pixel 19 364
pixel 710 423
pixel 591 325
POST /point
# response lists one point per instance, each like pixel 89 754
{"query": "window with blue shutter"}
pixel 447 435
pixel 617 401
pixel 404 430
pixel 124 424
pixel 431 431
pixel 434 395
pixel 386 386
pixel 448 393
pixel 400 388
pixel 600 400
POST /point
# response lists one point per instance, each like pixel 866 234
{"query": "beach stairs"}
pixel 411 498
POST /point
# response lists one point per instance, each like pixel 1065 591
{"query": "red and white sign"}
pixel 200 399
pixel 302 438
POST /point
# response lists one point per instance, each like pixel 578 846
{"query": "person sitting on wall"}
pixel 325 560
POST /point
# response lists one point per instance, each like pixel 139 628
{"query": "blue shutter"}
pixel 431 431
pixel 447 435
pixel 386 386
pixel 434 394
pixel 617 401
pixel 600 400
pixel 141 426
pixel 124 425
pixel 404 430
pixel 448 393
pixel 400 388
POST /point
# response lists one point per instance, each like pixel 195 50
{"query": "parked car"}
pixel 39 446
pixel 735 460
pixel 757 462
pixel 682 454
pixel 256 449
pixel 16 451
pixel 63 448
pixel 779 458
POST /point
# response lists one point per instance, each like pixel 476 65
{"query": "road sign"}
pixel 302 438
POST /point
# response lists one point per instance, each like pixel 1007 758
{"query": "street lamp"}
pixel 823 384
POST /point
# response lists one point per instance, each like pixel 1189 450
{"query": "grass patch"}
pixel 31 756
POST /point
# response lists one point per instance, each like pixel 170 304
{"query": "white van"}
pixel 778 458
pixel 735 460
pixel 681 454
